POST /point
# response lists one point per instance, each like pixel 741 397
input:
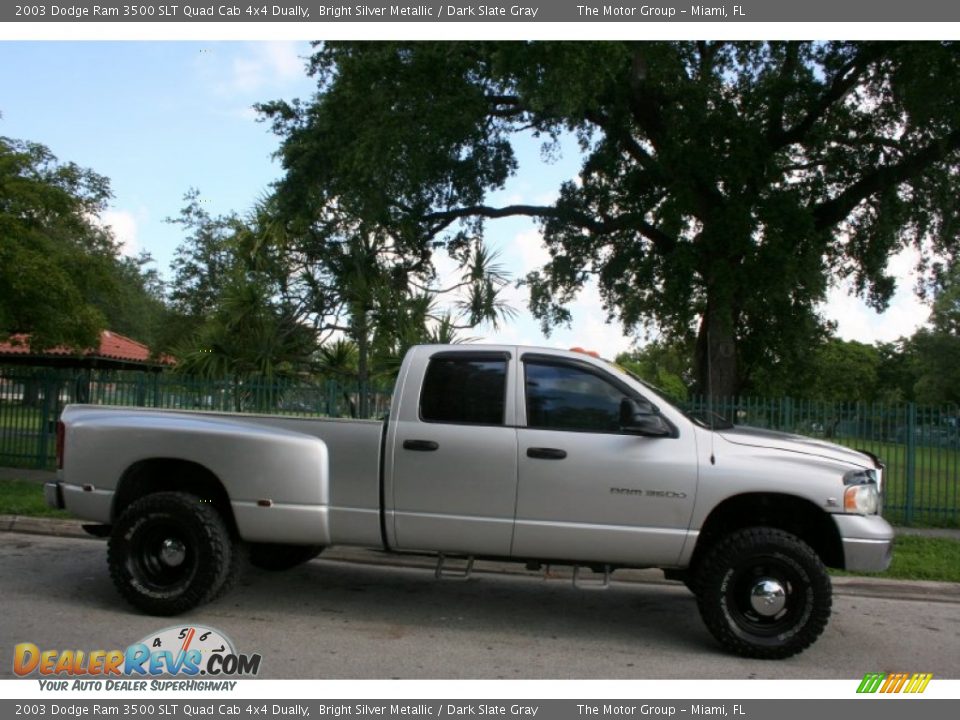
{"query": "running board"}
pixel 461 573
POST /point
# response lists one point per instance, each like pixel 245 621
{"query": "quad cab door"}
pixel 452 475
pixel 588 488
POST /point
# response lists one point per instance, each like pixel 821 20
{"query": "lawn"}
pixel 16 416
pixel 925 558
pixel 25 497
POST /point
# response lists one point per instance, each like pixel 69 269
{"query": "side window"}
pixel 564 397
pixel 464 390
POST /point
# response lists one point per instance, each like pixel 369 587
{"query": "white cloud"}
pixel 265 64
pixel 124 227
pixel 589 327
pixel 528 247
pixel 856 321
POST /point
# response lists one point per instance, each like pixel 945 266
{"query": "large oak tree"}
pixel 723 185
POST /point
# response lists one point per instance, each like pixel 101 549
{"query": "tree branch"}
pixel 844 80
pixel 628 221
pixel 778 101
pixel 829 213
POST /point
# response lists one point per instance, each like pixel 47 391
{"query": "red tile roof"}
pixel 113 346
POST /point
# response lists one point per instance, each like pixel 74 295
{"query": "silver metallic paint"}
pixel 478 493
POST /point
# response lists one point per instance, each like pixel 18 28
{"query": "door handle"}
pixel 420 445
pixel 546 453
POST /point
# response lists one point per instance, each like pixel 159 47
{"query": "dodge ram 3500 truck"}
pixel 518 453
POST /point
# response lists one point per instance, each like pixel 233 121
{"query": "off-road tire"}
pixel 169 552
pixel 741 561
pixel 277 557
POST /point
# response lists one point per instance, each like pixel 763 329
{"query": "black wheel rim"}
pixel 161 556
pixel 767 596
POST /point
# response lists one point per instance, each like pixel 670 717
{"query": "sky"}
pixel 161 117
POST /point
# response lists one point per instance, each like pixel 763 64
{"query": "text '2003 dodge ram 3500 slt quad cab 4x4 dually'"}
pixel 505 452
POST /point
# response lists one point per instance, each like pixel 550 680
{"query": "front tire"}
pixel 763 593
pixel 170 552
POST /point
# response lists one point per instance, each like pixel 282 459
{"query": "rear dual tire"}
pixel 170 552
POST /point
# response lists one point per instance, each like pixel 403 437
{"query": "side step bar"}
pixel 459 573
pixel 593 584
pixel 465 569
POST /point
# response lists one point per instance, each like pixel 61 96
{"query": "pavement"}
pixel 922 590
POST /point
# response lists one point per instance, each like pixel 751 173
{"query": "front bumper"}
pixel 867 542
pixel 53 494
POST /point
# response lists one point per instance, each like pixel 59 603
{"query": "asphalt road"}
pixel 333 619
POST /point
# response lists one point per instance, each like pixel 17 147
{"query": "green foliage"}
pixel 723 183
pixel 845 371
pixel 924 367
pixel 668 367
pixel 25 497
pixel 55 260
pixel 234 300
pixel 247 337
pixel 137 307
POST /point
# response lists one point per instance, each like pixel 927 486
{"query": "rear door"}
pixel 454 456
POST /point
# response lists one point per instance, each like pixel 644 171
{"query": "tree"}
pixel 933 351
pixel 382 298
pixel 247 338
pixel 723 184
pixel 58 267
pixel 135 304
pixel 844 370
pixel 237 315
pixel 666 366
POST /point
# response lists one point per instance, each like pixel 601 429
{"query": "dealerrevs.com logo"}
pixel 187 652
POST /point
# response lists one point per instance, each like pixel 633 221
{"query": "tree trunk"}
pixel 363 360
pixel 716 355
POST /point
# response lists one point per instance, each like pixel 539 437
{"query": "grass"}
pixel 914 557
pixel 25 497
pixel 923 558
pixel 17 417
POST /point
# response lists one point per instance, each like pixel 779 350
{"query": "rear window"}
pixel 464 390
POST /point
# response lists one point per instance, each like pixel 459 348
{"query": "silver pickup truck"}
pixel 518 453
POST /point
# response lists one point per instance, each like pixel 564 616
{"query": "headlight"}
pixel 861 495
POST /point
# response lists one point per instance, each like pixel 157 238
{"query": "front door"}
pixel 587 490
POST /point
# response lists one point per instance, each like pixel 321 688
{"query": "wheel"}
pixel 763 593
pixel 170 552
pixel 275 556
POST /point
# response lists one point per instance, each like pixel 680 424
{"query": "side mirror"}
pixel 641 418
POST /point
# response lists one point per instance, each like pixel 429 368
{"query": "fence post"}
pixel 911 464
pixel 47 408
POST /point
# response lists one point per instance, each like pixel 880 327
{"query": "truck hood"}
pixel 771 439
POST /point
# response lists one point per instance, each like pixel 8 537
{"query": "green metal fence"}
pixel 919 444
pixel 31 400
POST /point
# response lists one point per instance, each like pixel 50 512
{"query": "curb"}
pixel 913 590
